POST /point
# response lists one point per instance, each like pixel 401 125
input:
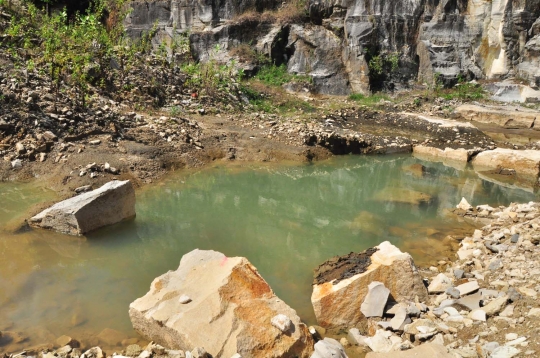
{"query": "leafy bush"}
pixel 462 90
pixel 74 51
pixel 272 75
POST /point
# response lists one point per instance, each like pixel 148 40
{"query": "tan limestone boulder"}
pixel 455 158
pixel 338 292
pixel 525 163
pixel 109 204
pixel 223 305
pixel 503 116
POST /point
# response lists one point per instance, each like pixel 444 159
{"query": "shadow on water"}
pixel 285 219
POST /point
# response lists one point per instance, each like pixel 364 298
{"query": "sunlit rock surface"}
pixel 232 310
pixel 109 204
pixel 338 304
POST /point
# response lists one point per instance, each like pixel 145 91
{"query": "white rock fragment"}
pixel 464 205
pixel 282 322
pixel 329 347
pixel 375 301
pixel 356 338
pixel 440 283
pixel 184 299
pixel 534 312
pixel 510 336
pixel 382 341
pixel 469 287
pixel 478 315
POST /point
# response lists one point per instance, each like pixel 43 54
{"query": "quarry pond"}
pixel 286 219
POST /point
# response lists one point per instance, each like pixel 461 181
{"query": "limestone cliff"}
pixel 358 45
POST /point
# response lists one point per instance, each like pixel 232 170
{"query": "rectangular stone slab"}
pixel 109 204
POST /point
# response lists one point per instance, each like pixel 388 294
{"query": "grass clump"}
pixel 369 100
pixel 464 91
pixel 272 75
pixel 274 101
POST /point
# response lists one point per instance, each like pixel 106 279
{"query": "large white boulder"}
pixel 503 116
pixel 337 301
pixel 231 309
pixel 524 162
pixel 109 204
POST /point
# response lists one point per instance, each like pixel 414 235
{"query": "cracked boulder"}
pixel 232 310
pixel 342 283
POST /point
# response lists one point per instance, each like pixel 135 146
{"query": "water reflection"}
pixel 285 219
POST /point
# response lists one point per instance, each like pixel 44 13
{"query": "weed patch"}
pixel 371 100
pixel 277 76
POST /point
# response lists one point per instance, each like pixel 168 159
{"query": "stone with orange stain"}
pixel 338 305
pixel 230 311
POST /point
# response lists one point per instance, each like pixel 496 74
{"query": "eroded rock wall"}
pixel 412 40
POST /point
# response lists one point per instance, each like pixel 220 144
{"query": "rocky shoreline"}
pixel 482 304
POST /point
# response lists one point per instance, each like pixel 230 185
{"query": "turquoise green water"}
pixel 285 219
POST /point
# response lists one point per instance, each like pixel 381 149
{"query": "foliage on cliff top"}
pixel 289 12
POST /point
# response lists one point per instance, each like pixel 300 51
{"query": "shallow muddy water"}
pixel 286 219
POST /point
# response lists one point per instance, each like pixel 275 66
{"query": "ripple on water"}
pixel 287 219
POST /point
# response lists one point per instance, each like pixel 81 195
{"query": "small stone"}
pixel 317 332
pixel 516 341
pixel 16 164
pixel 94 352
pixel 375 301
pixel 133 350
pixel 488 348
pixel 478 315
pixel 495 306
pixel 83 189
pixel 453 292
pixel 495 265
pixel 514 239
pixel 184 299
pixel 451 311
pixel 513 294
pixel 344 342
pixel 19 147
pixel 63 351
pixel 380 342
pixel 458 273
pixel 356 338
pixel 48 136
pixel 507 312
pixel 527 291
pixel 399 319
pixel 328 347
pixel 439 284
pixel 64 341
pixel 200 353
pixel 282 322
pixel 534 312
pixel 95 142
pixel 464 205
pixel 469 287
pixel 510 336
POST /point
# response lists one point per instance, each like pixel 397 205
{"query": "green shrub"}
pixel 369 100
pixel 272 75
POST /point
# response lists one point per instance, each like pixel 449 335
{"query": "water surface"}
pixel 286 219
